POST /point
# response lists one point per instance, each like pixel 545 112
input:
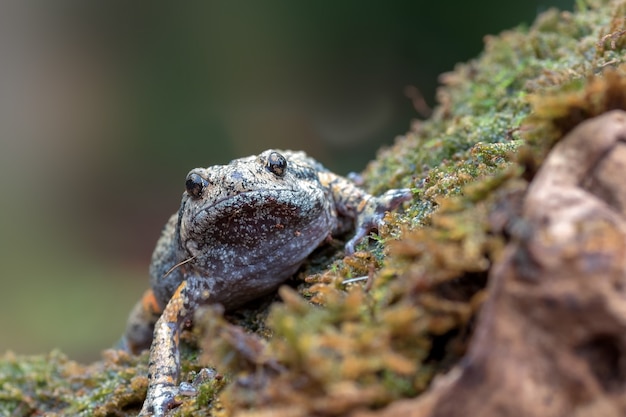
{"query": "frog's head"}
pixel 262 209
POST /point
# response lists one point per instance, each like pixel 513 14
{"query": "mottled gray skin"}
pixel 248 231
pixel 242 230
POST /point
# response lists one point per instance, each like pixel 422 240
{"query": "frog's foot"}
pixel 160 399
pixel 190 389
pixel 372 214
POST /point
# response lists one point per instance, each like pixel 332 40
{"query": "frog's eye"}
pixel 195 184
pixel 276 164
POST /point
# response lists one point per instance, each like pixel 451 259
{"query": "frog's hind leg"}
pixel 140 326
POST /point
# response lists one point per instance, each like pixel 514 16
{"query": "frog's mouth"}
pixel 252 225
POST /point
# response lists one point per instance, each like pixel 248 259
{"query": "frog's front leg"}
pixel 364 211
pixel 164 364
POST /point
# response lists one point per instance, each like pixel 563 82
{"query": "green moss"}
pixel 487 99
pixel 54 385
pixel 332 346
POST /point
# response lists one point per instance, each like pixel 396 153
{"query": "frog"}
pixel 241 231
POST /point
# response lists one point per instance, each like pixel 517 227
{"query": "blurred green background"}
pixel 105 106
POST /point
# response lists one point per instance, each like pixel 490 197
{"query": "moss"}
pixel 54 385
pixel 406 314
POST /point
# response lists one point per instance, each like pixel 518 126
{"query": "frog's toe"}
pixel 361 232
pixel 393 198
pixel 190 389
pixel 372 216
pixel 161 400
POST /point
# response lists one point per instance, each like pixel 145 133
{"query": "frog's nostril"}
pixel 195 184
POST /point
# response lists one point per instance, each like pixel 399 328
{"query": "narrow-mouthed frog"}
pixel 242 229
